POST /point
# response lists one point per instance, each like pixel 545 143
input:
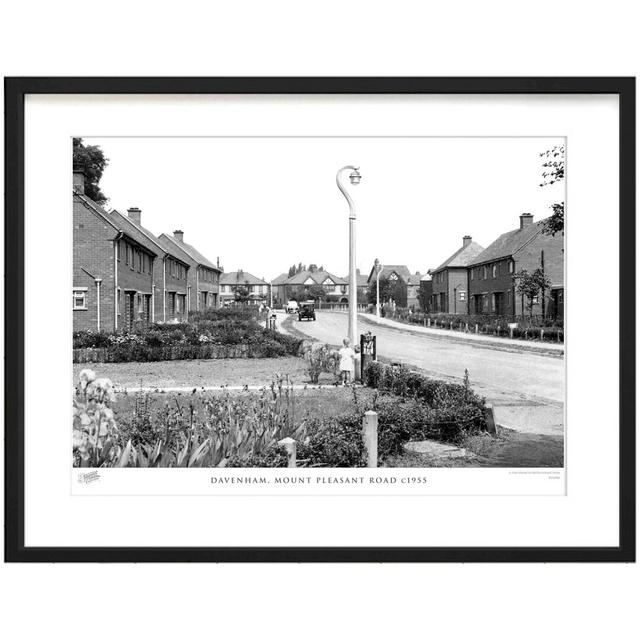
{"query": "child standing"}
pixel 347 356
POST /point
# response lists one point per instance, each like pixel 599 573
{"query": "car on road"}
pixel 292 307
pixel 307 312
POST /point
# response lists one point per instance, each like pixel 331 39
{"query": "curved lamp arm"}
pixel 352 208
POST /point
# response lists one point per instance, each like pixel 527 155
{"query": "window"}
pixel 140 256
pixel 510 266
pixel 536 299
pixel 118 250
pixel 471 273
pixel 484 273
pixel 494 271
pixel 463 295
pixel 126 253
pixel 79 298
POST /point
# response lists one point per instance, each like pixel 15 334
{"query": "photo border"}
pixel 15 91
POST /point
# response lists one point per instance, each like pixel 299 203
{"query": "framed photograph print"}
pixel 320 319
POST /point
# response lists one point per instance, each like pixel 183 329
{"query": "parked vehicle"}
pixel 307 311
pixel 292 307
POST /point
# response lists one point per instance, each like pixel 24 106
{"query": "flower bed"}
pixel 212 334
pixel 216 429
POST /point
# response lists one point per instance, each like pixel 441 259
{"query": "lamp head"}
pixel 355 176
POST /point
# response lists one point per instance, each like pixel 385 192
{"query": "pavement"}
pixel 525 386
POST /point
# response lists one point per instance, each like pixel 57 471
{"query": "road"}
pixel 526 389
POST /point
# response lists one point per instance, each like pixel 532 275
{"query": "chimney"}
pixel 178 235
pixel 134 213
pixel 78 179
pixel 466 241
pixel 525 220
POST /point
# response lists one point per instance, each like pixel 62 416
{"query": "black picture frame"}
pixel 15 91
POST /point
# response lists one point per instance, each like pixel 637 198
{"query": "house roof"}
pixel 400 269
pixel 281 279
pixel 362 279
pixel 316 276
pixel 462 257
pixel 509 243
pixel 191 252
pixel 240 277
pixel 122 223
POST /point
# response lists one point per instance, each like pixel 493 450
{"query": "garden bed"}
pixel 224 428
pixel 212 334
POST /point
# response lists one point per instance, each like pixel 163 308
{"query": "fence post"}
pixel 490 417
pixel 370 437
pixel 290 447
pixel 476 328
pixel 541 335
pixel 428 322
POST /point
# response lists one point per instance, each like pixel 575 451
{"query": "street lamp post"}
pixel 355 178
pixel 379 269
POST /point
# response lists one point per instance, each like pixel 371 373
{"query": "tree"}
pixel 530 285
pixel 552 172
pixel 317 292
pixel 90 158
pixel 387 290
pixel 241 293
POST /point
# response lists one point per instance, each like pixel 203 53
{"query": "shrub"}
pixel 334 443
pixel 218 328
pixel 320 358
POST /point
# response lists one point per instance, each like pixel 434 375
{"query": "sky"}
pixel 263 204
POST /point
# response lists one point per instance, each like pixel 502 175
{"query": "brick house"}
pixel 362 284
pixel 298 285
pixel 203 277
pixel 257 288
pixel 113 266
pixel 450 281
pixel 122 275
pixel 277 289
pixel 491 287
pixel 406 285
pixel 426 293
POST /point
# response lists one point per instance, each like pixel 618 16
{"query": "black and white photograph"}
pixel 318 302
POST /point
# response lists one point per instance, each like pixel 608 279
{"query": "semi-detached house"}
pixel 491 284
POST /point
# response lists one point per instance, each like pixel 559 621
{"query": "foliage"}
pixel 389 290
pixel 442 410
pixel 223 429
pixel 205 430
pixel 320 358
pixel 553 165
pixel 555 222
pixel 553 171
pixel 90 158
pixel 334 443
pixel 529 327
pixel 531 285
pixel 241 292
pixel 207 334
